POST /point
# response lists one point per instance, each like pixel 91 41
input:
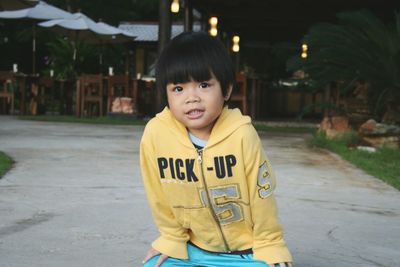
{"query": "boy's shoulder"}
pixel 163 124
pixel 247 131
pixel 160 120
pixel 154 126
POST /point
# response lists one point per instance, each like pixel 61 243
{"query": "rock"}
pixel 367 149
pixel 367 127
pixel 372 128
pixel 122 105
pixel 334 126
pixel 379 141
pixel 380 134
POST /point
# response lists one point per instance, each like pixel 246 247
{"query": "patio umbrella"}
pixel 86 30
pixel 41 11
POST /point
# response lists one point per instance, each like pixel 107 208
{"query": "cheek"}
pixel 171 101
pixel 174 107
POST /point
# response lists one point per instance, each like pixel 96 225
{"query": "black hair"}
pixel 194 56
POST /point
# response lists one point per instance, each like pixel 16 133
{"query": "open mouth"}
pixel 194 113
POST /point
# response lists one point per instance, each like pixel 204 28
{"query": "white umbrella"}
pixel 88 30
pixel 41 11
pixel 81 22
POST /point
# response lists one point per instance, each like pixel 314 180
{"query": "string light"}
pixel 235 47
pixel 213 26
pixel 175 6
pixel 304 52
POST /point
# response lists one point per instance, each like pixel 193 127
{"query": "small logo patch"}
pixel 264 181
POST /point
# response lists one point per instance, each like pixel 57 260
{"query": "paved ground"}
pixel 75 198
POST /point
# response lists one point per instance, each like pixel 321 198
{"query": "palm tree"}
pixel 359 48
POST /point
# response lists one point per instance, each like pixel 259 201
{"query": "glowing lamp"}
pixel 235 47
pixel 175 6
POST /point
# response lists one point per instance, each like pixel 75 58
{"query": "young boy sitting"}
pixel 208 181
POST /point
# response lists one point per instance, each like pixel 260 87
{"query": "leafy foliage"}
pixel 62 60
pixel 359 48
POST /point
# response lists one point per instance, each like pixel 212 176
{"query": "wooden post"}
pixel 327 99
pixel 253 98
pixel 188 20
pixel 164 24
pixel 78 107
pixel 34 49
pixel 164 35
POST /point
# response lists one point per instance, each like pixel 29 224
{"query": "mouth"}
pixel 194 113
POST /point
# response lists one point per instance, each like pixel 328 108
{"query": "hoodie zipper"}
pixel 200 160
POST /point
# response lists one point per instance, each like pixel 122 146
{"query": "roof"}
pixel 148 31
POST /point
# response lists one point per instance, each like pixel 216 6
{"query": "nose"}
pixel 192 96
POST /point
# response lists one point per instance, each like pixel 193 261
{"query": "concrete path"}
pixel 75 198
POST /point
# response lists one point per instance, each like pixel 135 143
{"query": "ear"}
pixel 228 93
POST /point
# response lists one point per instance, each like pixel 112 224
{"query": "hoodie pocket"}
pixel 182 195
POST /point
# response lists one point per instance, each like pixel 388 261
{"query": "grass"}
pixel 383 164
pixel 284 129
pixel 127 120
pixel 5 163
pixel 109 120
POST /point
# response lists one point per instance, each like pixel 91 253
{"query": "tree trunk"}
pixel 164 35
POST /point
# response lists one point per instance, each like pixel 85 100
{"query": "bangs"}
pixel 187 68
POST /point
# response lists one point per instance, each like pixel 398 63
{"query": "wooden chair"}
pixel 91 94
pixel 46 96
pixel 7 81
pixel 118 86
pixel 239 94
pixel 144 97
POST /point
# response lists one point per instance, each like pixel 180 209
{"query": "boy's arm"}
pixel 268 244
pixel 174 237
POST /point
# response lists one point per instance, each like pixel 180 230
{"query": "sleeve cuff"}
pixel 174 249
pixel 272 254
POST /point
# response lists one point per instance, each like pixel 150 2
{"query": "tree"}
pixel 359 48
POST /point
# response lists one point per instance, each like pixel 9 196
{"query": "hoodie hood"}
pixel 227 123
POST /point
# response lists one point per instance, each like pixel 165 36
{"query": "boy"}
pixel 208 182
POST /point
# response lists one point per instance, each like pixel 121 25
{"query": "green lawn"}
pixel 284 129
pixel 127 120
pixel 5 163
pixel 111 120
pixel 383 164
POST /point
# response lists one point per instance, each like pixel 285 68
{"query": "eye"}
pixel 204 85
pixel 177 89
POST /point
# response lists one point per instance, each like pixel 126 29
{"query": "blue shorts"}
pixel 201 258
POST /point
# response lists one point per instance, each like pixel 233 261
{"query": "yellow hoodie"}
pixel 231 172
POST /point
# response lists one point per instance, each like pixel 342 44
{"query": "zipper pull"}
pixel 200 155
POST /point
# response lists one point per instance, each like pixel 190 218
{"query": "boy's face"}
pixel 197 105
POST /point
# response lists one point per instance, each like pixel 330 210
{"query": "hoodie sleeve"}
pixel 268 242
pixel 173 238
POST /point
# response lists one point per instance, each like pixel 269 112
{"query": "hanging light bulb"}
pixel 213 26
pixel 235 47
pixel 213 21
pixel 304 49
pixel 175 6
pixel 213 31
